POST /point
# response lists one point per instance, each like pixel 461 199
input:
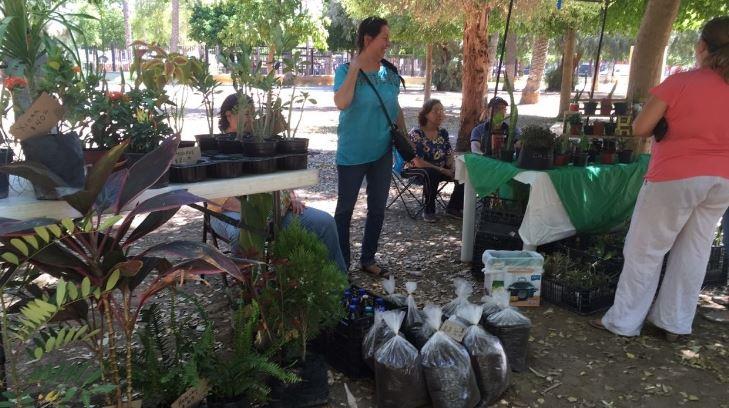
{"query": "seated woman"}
pixel 434 162
pixel 313 220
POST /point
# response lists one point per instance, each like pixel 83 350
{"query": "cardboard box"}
pixel 514 275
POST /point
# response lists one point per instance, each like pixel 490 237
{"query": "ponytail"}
pixel 715 34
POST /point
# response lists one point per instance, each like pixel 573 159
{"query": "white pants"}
pixel 679 216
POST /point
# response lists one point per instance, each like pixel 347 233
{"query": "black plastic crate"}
pixel 344 347
pixel 581 301
pixel 497 210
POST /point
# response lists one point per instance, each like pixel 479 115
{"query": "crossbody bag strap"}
pixel 382 103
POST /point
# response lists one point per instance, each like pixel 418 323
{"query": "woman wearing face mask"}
pixel 364 144
pixel 686 191
pixel 434 161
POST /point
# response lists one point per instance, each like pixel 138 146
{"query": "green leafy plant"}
pixel 574 118
pixel 584 144
pixel 538 138
pixel 306 290
pixel 513 115
pixel 243 370
pixel 203 83
pixel 94 252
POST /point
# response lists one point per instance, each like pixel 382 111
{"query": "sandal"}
pixel 376 271
pixel 597 323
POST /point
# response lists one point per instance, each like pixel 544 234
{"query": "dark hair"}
pixel 228 105
pixel 497 100
pixel 716 36
pixel 369 26
pixel 426 109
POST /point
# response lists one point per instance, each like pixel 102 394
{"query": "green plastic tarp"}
pixel 487 174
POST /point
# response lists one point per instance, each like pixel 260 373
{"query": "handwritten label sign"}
pixel 39 119
pixel 453 330
pixel 187 155
pixel 193 396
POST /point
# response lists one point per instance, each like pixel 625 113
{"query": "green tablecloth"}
pixel 596 198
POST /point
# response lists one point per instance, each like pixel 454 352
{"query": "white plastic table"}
pixel 545 219
pixel 25 205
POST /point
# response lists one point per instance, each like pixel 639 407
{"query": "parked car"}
pixel 585 70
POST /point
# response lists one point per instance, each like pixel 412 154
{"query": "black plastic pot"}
pixel 589 130
pixel 625 156
pixel 239 401
pixel 609 146
pixel 311 391
pixel 621 108
pixel 507 156
pixel 292 146
pixel 6 157
pixel 580 159
pixel 190 173
pixel 186 143
pixel 62 154
pixel 225 168
pixel 590 107
pixel 266 148
pixel 292 162
pixel 259 165
pixel 610 128
pixel 163 181
pixel 230 146
pixel 535 159
pixel 207 143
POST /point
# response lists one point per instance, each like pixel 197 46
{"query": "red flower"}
pixel 76 69
pixel 14 82
pixel 115 95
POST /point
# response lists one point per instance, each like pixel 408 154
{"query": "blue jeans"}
pixel 313 220
pixel 378 187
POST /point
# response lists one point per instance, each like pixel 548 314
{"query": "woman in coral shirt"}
pixel 685 193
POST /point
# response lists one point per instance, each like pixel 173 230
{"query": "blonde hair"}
pixel 716 36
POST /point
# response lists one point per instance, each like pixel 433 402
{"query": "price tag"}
pixel 187 155
pixel 453 330
pixel 39 119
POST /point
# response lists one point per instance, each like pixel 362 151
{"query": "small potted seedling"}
pixel 606 104
pixel 563 152
pixel 607 155
pixel 575 121
pixel 582 155
pixel 590 107
pixel 537 149
pixel 575 104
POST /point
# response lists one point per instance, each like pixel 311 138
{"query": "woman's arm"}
pixel 345 93
pixel 648 118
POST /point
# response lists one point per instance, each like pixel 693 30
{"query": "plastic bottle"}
pixel 379 304
pixel 352 312
pixel 369 311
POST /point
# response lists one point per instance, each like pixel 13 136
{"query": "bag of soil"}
pixel 489 307
pixel 463 291
pixel 487 356
pixel 378 335
pixel 394 300
pixel 399 381
pixel 416 331
pixel 447 368
pixel 512 328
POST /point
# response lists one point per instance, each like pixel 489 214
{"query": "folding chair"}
pixel 404 189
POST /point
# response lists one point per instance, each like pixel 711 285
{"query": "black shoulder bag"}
pixel 399 140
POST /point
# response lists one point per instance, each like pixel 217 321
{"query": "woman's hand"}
pixel 297 206
pixel 420 163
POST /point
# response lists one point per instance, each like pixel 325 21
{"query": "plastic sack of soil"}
pixel 399 381
pixel 395 300
pixel 463 291
pixel 487 356
pixel 490 306
pixel 447 368
pixel 512 328
pixel 378 335
pixel 416 331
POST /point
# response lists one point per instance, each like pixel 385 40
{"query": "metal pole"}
pixel 503 47
pixel 599 49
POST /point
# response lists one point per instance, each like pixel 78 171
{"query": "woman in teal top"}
pixel 364 144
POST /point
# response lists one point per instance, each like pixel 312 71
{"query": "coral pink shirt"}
pixel 697 141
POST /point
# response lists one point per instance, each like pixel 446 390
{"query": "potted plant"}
pixel 239 375
pixel 290 144
pixel 575 104
pixel 610 127
pixel 93 253
pixel 303 297
pixel 582 155
pixel 588 128
pixel 598 128
pixel 203 83
pixel 626 150
pixel 537 150
pixel 575 121
pixel 563 152
pixel 41 64
pixel 507 151
pixel 590 107
pixel 606 104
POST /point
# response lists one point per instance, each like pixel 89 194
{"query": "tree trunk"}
pixel 568 69
pixel 510 57
pixel 653 36
pixel 270 58
pixel 127 28
pixel 493 45
pixel 175 35
pixel 428 71
pixel 530 93
pixel 475 58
